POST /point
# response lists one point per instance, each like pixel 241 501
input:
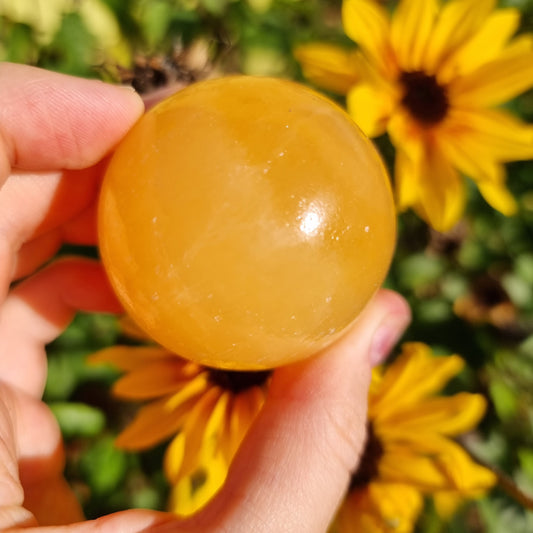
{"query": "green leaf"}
pixel 68 368
pixel 62 377
pixel 525 456
pixel 501 516
pixel 72 48
pixel 453 286
pixel 88 331
pixel 472 255
pixel 154 22
pixel 215 7
pixel 420 269
pixel 524 267
pixel 78 419
pixel 146 498
pixel 433 310
pixel 104 466
pixel 19 44
pixel 504 399
pixel 520 292
pixel 526 347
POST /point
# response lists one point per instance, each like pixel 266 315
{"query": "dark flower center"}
pixel 489 292
pixel 368 467
pixel 237 381
pixel 424 98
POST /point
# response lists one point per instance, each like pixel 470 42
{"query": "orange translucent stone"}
pixel 245 222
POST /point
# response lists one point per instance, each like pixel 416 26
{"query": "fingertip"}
pixel 394 302
pixel 395 318
pixel 54 121
pixel 132 521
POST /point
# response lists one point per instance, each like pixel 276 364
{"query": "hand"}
pixel 295 463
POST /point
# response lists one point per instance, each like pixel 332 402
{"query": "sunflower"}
pixel 409 451
pixel 432 76
pixel 206 412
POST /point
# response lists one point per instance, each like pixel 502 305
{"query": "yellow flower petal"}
pixel 379 508
pixel 129 358
pixel 358 515
pixel 402 464
pixel 484 46
pixel 411 30
pixel 442 415
pixel 504 136
pixel 328 66
pixel 410 145
pixel 406 133
pixel 190 494
pixel 498 196
pixel 152 380
pixel 463 473
pixel 192 464
pixel 367 23
pixel 435 464
pixel 477 142
pixel 204 425
pixel 399 505
pixel 427 182
pixel 174 455
pixel 495 82
pixel 465 152
pixel 242 412
pixel 447 503
pixel 193 388
pixel 458 21
pixel 152 424
pixel 414 375
pixel 488 135
pixel 195 463
pixel 370 108
pixel 522 44
pixel 216 428
pixel 442 192
pixel 406 179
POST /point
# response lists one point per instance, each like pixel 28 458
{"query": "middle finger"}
pixel 35 207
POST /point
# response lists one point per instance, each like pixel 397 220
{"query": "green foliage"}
pixel 104 466
pixel 78 419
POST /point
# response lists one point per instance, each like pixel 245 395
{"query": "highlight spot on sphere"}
pixel 245 222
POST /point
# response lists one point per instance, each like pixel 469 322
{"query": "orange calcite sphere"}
pixel 245 222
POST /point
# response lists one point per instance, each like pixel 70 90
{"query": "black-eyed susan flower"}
pixel 410 451
pixel 205 412
pixel 432 75
pixel 487 302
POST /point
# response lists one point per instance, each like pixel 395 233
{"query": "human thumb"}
pixel 294 465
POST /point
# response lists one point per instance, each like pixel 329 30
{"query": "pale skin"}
pixel 295 464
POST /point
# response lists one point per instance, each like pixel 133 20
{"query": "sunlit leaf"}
pixel 78 419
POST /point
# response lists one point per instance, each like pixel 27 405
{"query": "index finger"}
pixel 51 121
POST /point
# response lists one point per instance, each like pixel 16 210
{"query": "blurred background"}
pixel 471 289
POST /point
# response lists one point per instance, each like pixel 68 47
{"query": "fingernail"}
pixel 386 336
pixel 127 88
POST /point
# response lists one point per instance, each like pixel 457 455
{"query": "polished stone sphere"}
pixel 245 222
